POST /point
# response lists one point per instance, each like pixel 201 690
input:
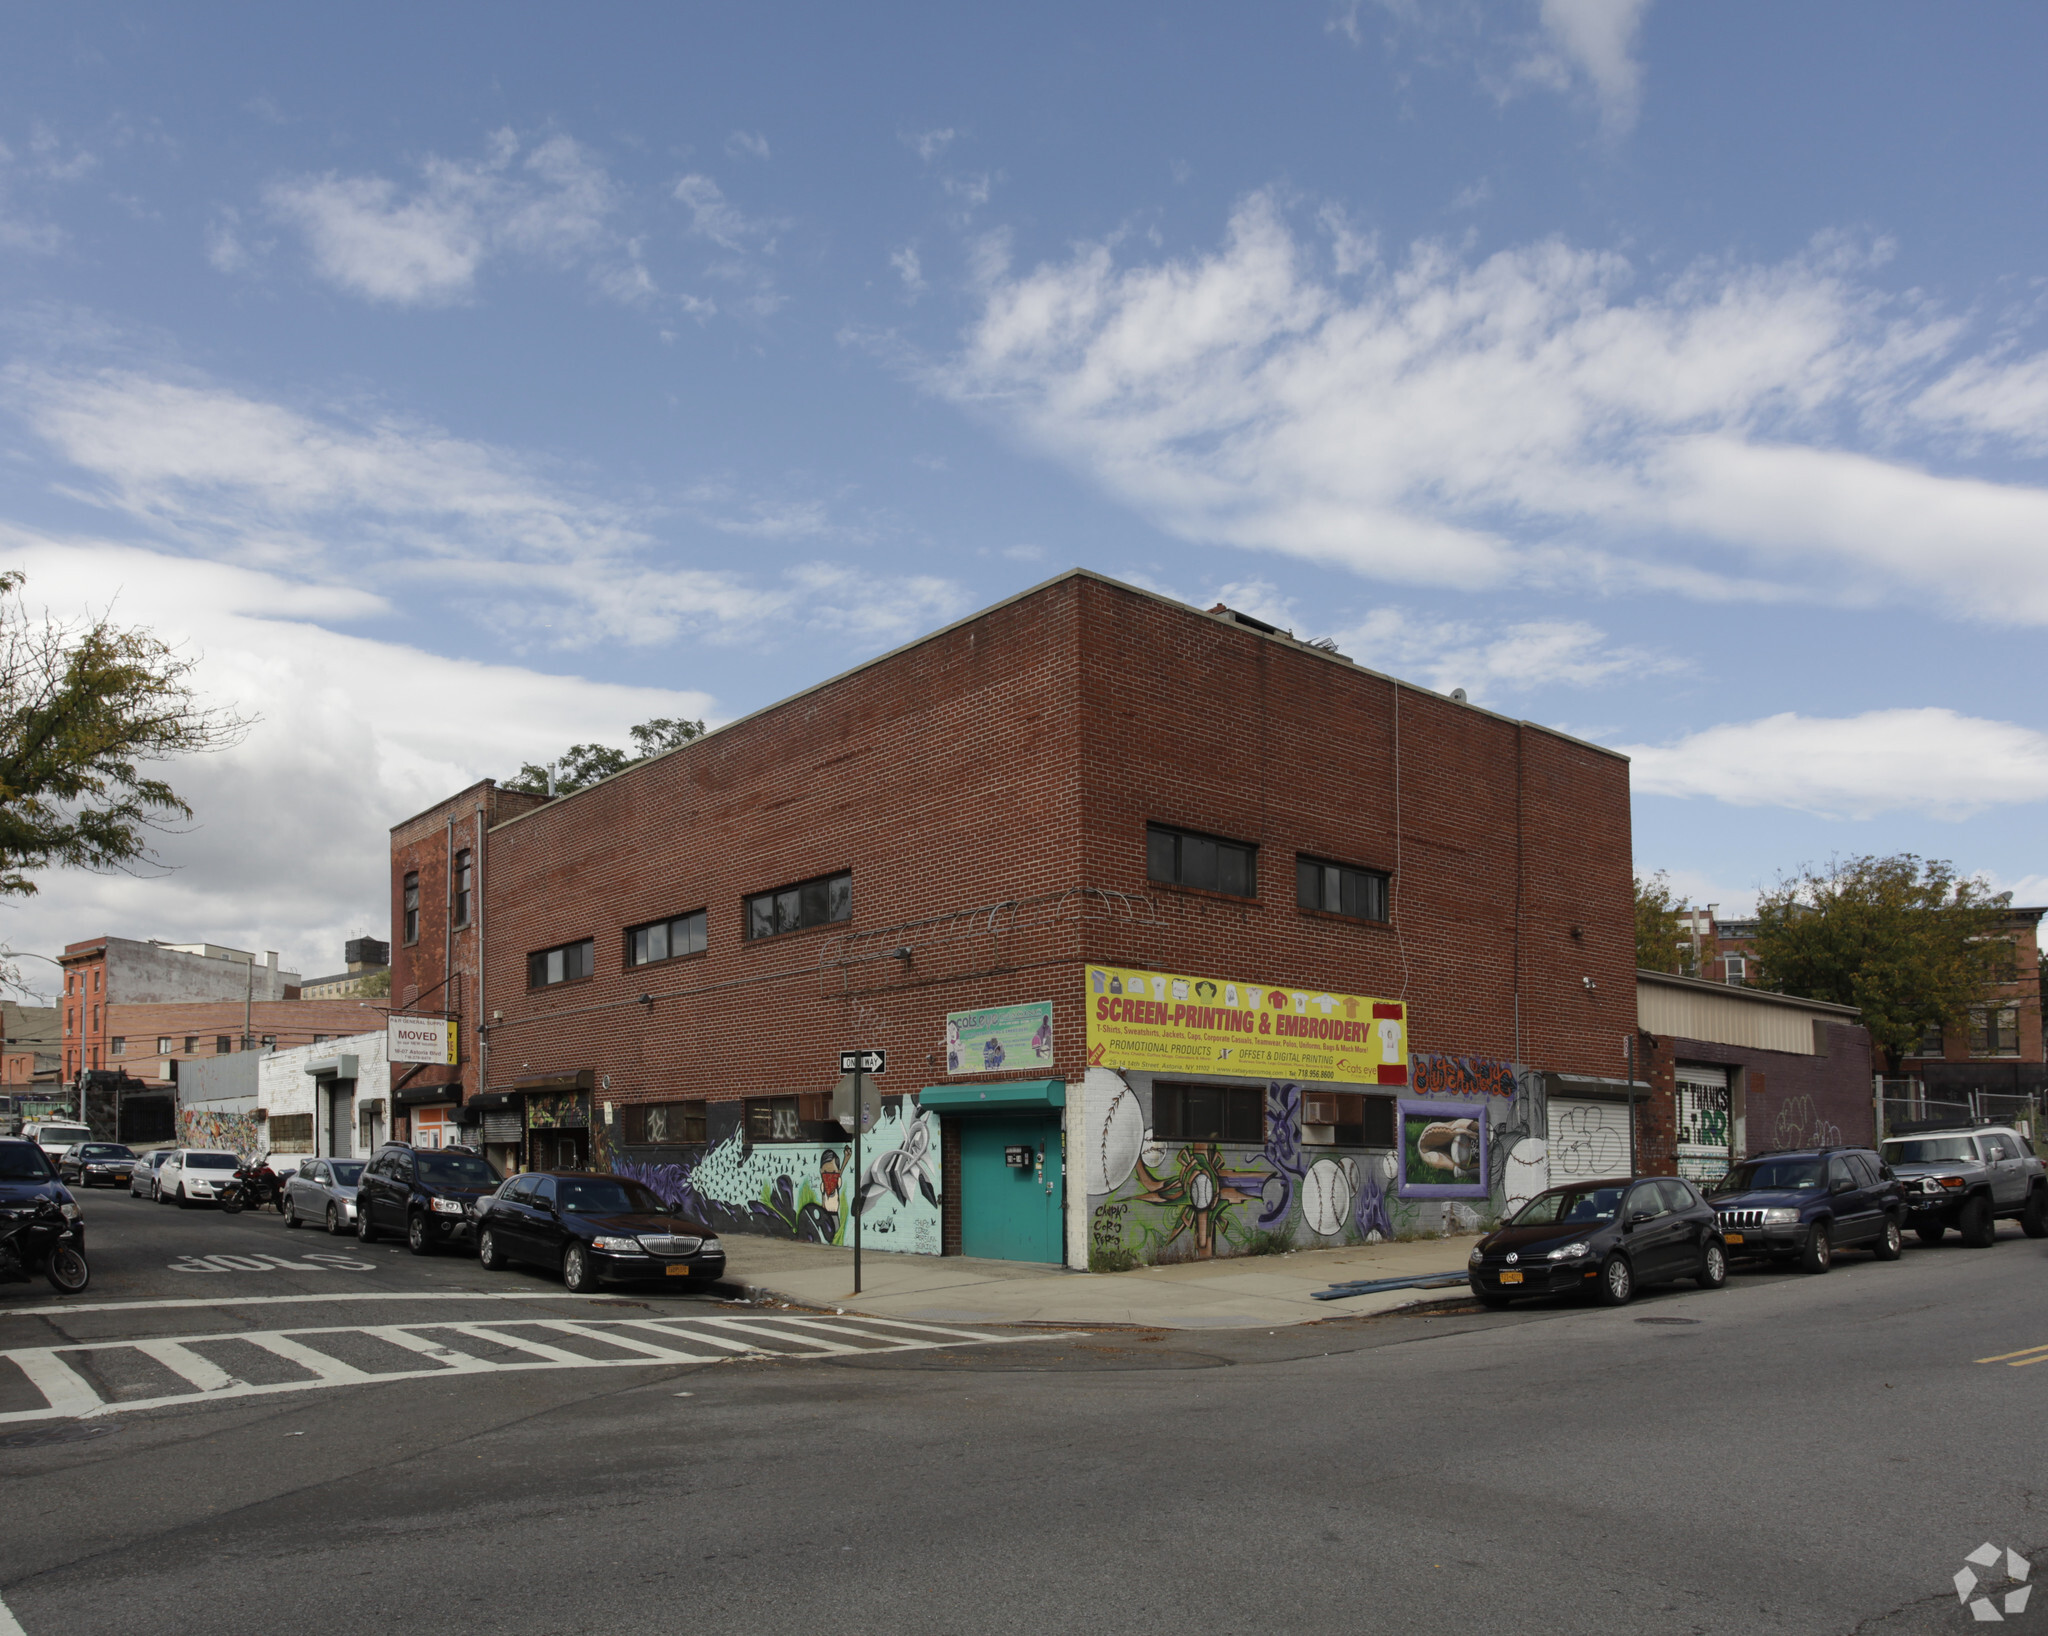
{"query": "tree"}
pixel 1910 944
pixel 1656 924
pixel 582 765
pixel 83 710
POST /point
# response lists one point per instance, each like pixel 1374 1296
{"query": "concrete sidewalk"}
pixel 1244 1290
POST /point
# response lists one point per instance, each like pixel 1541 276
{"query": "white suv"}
pixel 56 1136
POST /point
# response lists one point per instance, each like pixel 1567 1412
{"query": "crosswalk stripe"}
pixel 660 1326
pixel 440 1351
pixel 325 1367
pixel 203 1373
pixel 67 1390
pixel 758 1326
pixel 554 1354
pixel 667 1354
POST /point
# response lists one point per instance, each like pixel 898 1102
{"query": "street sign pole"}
pixel 853 1198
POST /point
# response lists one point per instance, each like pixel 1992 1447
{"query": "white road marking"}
pixel 213 1302
pixel 9 1625
pixel 68 1395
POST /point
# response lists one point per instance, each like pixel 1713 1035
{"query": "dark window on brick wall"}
pixel 412 906
pixel 1208 1113
pixel 1180 857
pixel 665 939
pixel 462 887
pixel 1338 889
pixel 772 1119
pixel 664 1124
pixel 564 964
pixel 223 1044
pixel 1995 1031
pixel 808 903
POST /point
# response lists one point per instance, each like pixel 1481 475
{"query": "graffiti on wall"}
pixel 1798 1125
pixel 801 1190
pixel 230 1132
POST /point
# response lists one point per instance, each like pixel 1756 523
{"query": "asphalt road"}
pixel 1788 1454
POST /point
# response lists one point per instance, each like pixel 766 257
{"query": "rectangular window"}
pixel 818 902
pixel 1338 889
pixel 1995 1031
pixel 560 965
pixel 223 1044
pixel 270 1042
pixel 163 1045
pixel 665 940
pixel 191 1044
pixel 412 906
pixel 1208 1113
pixel 1737 968
pixel 291 1133
pixel 462 887
pixel 1351 1120
pixel 117 1046
pixel 1179 857
pixel 664 1124
pixel 1930 1042
pixel 772 1119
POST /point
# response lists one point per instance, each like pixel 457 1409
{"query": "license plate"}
pixel 1510 1278
pixel 1731 1238
pixel 679 1272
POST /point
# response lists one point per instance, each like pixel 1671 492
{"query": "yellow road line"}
pixel 2025 1352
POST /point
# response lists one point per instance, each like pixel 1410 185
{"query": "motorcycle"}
pixel 38 1238
pixel 251 1188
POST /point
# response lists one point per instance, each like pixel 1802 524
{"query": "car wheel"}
pixel 1891 1243
pixel 2034 1219
pixel 1617 1286
pixel 181 1201
pixel 365 1233
pixel 161 1196
pixel 334 1221
pixel 1713 1271
pixel 577 1271
pixel 487 1256
pixel 1818 1252
pixel 417 1238
pixel 1930 1232
pixel 289 1211
pixel 1977 1224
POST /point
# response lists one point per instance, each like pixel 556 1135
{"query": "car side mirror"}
pixel 1636 1216
pixel 1842 1185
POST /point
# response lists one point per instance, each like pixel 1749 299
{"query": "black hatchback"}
pixel 423 1192
pixel 1608 1238
pixel 594 1230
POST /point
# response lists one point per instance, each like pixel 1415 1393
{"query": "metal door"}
pixel 341 1108
pixel 1588 1140
pixel 1012 1211
pixel 1703 1123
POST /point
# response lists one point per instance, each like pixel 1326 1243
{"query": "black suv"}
pixel 1807 1203
pixel 423 1192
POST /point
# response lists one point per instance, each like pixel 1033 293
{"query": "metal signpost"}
pixel 859 1064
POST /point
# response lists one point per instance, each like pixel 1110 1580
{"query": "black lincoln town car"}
pixel 593 1230
pixel 1607 1238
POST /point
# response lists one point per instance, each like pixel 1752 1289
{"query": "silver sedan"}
pixel 142 1180
pixel 323 1191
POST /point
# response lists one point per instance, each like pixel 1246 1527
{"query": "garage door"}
pixel 1588 1140
pixel 1703 1122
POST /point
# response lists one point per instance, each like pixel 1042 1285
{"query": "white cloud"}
pixel 1542 417
pixel 1932 761
pixel 747 145
pixel 1590 44
pixel 425 245
pixel 908 268
pixel 928 145
pixel 1488 660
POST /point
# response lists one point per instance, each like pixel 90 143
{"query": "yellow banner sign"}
pixel 1161 1023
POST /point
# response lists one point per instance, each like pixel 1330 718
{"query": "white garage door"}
pixel 1588 1140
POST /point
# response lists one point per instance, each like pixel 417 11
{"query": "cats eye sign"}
pixel 1159 1022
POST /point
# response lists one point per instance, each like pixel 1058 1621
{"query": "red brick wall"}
pixel 293 1022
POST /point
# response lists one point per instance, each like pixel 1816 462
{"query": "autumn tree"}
pixel 1656 924
pixel 1909 942
pixel 582 765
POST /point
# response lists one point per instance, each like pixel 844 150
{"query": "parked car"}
pixel 142 1180
pixel 96 1164
pixel 194 1175
pixel 1609 1238
pixel 1806 1204
pixel 323 1190
pixel 27 1177
pixel 56 1136
pixel 41 1227
pixel 423 1192
pixel 593 1230
pixel 1969 1178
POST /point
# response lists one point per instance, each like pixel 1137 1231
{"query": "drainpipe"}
pixel 476 893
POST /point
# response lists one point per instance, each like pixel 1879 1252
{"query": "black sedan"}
pixel 97 1164
pixel 1608 1237
pixel 592 1230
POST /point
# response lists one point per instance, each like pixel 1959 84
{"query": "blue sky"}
pixel 459 382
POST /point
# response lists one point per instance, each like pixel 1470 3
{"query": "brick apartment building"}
pixel 1047 858
pixel 1998 1049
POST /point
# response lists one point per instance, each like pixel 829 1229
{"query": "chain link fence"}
pixel 1904 1101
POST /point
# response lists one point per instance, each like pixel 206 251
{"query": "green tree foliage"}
pixel 1657 947
pixel 1908 942
pixel 377 985
pixel 582 765
pixel 84 709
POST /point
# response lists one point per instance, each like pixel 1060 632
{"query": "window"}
pixel 560 965
pixel 665 940
pixel 320 1039
pixel 1737 968
pixel 1338 890
pixel 1864 1169
pixel 191 1044
pixel 223 1044
pixel 462 887
pixel 1353 1120
pixel 270 1042
pixel 1677 1194
pixel 163 1045
pixel 291 1133
pixel 1208 1113
pixel 817 902
pixel 412 906
pixel 664 1124
pixel 1647 1199
pixel 1839 1174
pixel 1178 857
pixel 1930 1042
pixel 1995 1031
pixel 772 1119
pixel 117 1046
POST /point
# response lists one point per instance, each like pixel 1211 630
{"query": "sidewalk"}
pixel 1244 1290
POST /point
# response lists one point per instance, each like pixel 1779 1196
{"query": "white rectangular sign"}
pixel 422 1039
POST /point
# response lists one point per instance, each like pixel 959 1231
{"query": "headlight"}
pixel 1571 1251
pixel 1780 1217
pixel 72 1212
pixel 618 1246
pixel 711 1246
pixel 1478 1254
pixel 449 1207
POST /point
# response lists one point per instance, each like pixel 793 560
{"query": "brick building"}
pixel 974 853
pixel 100 972
pixel 1998 1050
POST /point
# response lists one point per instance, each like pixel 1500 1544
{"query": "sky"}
pixel 456 383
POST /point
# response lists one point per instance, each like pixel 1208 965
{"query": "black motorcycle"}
pixel 251 1188
pixel 36 1238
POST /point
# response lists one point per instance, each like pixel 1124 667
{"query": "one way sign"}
pixel 863 1062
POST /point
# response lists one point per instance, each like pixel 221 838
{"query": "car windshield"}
pixel 1569 1206
pixel 104 1150
pixel 1771 1176
pixel 456 1170
pixel 23 1162
pixel 1929 1150
pixel 347 1172
pixel 604 1196
pixel 211 1161
pixel 62 1133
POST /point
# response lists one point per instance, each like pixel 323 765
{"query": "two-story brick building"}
pixel 1182 937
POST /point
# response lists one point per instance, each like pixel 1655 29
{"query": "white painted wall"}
pixel 285 1087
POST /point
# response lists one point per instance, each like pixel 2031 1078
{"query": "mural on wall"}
pixel 799 1189
pixel 1443 1150
pixel 1195 1196
pixel 230 1132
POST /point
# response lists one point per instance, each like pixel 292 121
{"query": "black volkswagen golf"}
pixel 593 1230
pixel 1608 1237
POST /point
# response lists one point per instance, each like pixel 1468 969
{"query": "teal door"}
pixel 1011 1212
